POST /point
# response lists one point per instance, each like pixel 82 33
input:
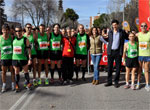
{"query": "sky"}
pixel 84 8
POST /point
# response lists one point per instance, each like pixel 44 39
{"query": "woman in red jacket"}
pixel 68 55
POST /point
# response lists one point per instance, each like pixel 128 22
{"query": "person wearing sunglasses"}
pixel 21 57
pixel 6 56
pixel 144 54
pixel 33 39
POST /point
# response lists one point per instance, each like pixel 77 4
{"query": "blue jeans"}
pixel 96 60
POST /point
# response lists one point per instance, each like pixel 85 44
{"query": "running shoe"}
pixel 39 81
pixel 52 80
pixel 35 82
pixel 127 86
pixel 17 89
pixel 3 89
pixel 132 87
pixel 46 81
pixel 137 86
pixel 28 87
pixel 70 81
pixel 147 88
pixel 12 87
pixel 65 82
pixel 25 84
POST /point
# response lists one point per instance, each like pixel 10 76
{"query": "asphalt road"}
pixel 78 96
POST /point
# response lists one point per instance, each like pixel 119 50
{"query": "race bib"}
pixel 17 50
pixel 56 45
pixel 143 45
pixel 82 44
pixel 7 50
pixel 133 52
pixel 43 45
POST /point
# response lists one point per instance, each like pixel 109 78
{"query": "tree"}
pixel 102 21
pixel 3 17
pixel 71 14
pixel 39 11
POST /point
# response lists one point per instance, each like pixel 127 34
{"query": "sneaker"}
pixel 28 87
pixel 52 80
pixel 137 87
pixel 46 81
pixel 17 89
pixel 147 88
pixel 132 87
pixel 25 84
pixel 35 82
pixel 39 81
pixel 12 87
pixel 65 82
pixel 127 86
pixel 3 89
pixel 70 81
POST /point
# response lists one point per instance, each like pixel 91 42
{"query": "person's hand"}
pixel 29 62
pixel 124 63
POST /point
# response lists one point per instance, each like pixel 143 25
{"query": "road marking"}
pixel 14 107
pixel 19 101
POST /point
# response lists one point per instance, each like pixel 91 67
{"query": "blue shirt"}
pixel 116 42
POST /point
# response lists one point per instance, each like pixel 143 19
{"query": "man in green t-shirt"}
pixel 6 56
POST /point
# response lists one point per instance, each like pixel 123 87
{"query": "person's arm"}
pixel 88 42
pixel 103 40
pixel 125 35
pixel 29 51
pixel 124 52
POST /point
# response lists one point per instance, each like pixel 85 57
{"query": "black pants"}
pixel 67 68
pixel 114 56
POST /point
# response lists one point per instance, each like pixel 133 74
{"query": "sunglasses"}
pixel 143 25
pixel 29 27
pixel 18 31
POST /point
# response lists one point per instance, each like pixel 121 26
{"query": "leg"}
pixel 110 67
pixel 83 68
pixel 59 69
pixel 77 68
pixel 39 68
pixel 34 68
pixel 52 69
pixel 64 71
pixel 46 67
pixel 94 65
pixel 146 69
pixel 127 76
pixel 118 59
pixel 133 75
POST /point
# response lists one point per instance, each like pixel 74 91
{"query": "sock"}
pixel 59 72
pixel 17 78
pixel 27 77
pixel 147 85
pixel 12 84
pixel 127 83
pixel 77 68
pixel 132 83
pixel 4 85
pixel 138 83
pixel 83 72
pixel 52 73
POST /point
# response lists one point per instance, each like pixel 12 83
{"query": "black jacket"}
pixel 123 35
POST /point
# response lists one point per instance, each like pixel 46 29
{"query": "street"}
pixel 78 96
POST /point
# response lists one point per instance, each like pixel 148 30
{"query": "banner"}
pixel 144 12
pixel 126 25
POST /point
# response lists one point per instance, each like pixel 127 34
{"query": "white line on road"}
pixel 19 101
pixel 14 107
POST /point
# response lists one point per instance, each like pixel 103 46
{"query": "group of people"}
pixel 33 47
